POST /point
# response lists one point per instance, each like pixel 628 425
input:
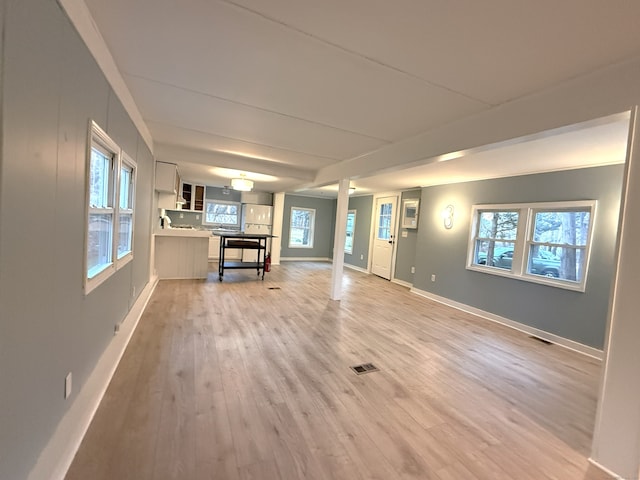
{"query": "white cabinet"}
pixel 257 198
pixel 167 179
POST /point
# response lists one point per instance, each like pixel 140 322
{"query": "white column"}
pixel 276 229
pixel 617 431
pixel 338 241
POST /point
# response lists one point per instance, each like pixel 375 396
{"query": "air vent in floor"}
pixel 364 368
pixel 274 288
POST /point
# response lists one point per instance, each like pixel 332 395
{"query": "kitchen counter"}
pixel 182 232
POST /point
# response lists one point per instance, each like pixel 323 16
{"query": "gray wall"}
pixel 577 316
pixel 216 193
pixel 406 246
pixel 324 226
pixel 362 235
pixel 48 328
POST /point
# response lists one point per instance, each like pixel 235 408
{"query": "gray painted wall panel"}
pixel 577 316
pixel 324 226
pixel 406 246
pixel 50 90
pixel 362 234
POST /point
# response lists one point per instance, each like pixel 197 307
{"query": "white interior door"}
pixel 383 239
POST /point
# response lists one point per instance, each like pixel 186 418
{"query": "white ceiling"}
pixel 280 89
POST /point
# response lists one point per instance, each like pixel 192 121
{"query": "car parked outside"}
pixel 545 264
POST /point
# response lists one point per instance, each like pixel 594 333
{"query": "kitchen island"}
pixel 181 253
pixel 244 241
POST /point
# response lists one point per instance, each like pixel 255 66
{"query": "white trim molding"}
pixel 550 337
pixel 605 470
pixel 55 459
pixel 358 269
pixel 402 282
pixel 305 259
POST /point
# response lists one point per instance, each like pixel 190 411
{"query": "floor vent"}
pixel 541 340
pixel 364 368
pixel 274 288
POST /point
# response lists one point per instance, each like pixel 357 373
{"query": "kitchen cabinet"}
pixel 167 179
pixel 257 198
pixel 193 195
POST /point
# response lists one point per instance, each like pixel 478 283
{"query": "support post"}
pixel 617 429
pixel 338 241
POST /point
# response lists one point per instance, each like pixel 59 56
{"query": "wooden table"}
pixel 245 241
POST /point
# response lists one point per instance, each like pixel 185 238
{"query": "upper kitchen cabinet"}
pixel 193 196
pixel 167 178
pixel 167 185
pixel 257 198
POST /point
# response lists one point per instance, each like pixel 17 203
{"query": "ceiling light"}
pixel 351 190
pixel 242 184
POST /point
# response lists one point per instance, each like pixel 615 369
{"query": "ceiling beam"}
pixel 178 154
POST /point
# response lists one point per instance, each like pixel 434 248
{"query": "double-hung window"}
pixel 544 243
pixel 110 193
pixel 301 227
pixel 126 193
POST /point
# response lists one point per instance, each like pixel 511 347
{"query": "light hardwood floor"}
pixel 250 380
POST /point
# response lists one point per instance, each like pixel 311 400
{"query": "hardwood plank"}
pixel 235 381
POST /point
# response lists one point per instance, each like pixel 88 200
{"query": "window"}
pixel 301 227
pixel 351 225
pixel 384 221
pixel 543 243
pixel 221 213
pixel 495 234
pixel 127 196
pixel 110 206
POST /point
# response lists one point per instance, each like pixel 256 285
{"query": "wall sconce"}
pixel 351 190
pixel 447 217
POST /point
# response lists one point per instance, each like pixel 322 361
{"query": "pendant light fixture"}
pixel 242 184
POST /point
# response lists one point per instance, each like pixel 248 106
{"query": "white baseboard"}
pixel 305 259
pixel 402 282
pixel 358 269
pixel 605 469
pixel 56 458
pixel 550 337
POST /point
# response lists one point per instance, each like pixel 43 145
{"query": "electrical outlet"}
pixel 197 217
pixel 182 215
pixel 362 256
pixel 67 385
pixel 433 277
pixel 413 269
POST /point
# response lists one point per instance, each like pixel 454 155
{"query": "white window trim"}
pixel 221 202
pixel 312 227
pixel 99 136
pixel 126 258
pixel 523 240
